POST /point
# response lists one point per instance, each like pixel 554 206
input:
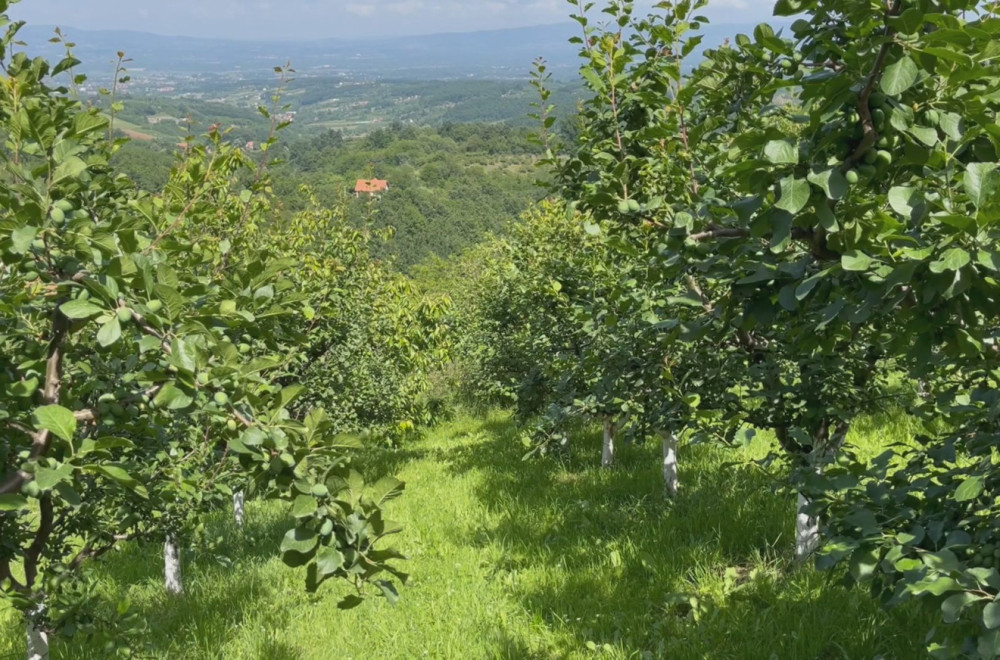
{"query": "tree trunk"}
pixel 825 446
pixel 806 531
pixel 172 566
pixel 38 639
pixel 239 502
pixel 670 482
pixel 608 450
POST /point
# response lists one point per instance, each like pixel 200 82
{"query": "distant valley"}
pixel 491 54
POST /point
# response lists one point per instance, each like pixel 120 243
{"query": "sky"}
pixel 316 19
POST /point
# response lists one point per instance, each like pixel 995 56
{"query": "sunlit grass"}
pixel 551 558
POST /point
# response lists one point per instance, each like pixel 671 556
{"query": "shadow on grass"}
pixel 603 555
pixel 215 607
pixel 376 462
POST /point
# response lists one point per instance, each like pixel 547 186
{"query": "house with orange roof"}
pixel 370 186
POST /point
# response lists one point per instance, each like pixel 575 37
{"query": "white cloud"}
pixel 366 9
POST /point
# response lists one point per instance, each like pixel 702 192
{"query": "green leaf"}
pixel 969 489
pixel 863 563
pixel 70 168
pixel 952 606
pixel 289 394
pixel 304 506
pixel 120 476
pixel 781 152
pixel 172 397
pixel 926 135
pixel 903 200
pixel 855 260
pixel 22 238
pixel 788 7
pixel 56 419
pixel 909 21
pixel 184 355
pixel 13 502
pixel 899 76
pixel 991 616
pixel 387 488
pixel 794 194
pixel 952 259
pixel 80 309
pixel 24 388
pixel 300 540
pixel 830 181
pixel 980 182
pixel 988 645
pixel 110 332
pixel 47 478
pixel 89 122
pixel 596 82
pixel 329 560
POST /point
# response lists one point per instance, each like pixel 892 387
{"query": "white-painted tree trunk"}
pixel 806 530
pixel 608 449
pixel 38 640
pixel 239 504
pixel 172 566
pixel 670 481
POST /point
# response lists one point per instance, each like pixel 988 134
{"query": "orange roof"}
pixel 371 185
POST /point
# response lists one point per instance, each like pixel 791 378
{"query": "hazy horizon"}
pixel 309 20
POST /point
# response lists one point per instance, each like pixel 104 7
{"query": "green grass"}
pixel 539 559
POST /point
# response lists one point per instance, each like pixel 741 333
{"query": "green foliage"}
pixel 154 344
pixel 789 224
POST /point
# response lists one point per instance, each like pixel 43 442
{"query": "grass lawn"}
pixel 539 559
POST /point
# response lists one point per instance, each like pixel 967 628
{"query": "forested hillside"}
pixel 448 186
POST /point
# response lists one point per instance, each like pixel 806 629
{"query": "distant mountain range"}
pixel 494 54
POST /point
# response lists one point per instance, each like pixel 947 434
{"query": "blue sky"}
pixel 311 19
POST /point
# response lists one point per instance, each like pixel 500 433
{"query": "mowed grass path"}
pixel 528 559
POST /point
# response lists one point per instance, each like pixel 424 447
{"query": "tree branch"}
pixel 50 396
pixel 870 134
pixel 34 552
